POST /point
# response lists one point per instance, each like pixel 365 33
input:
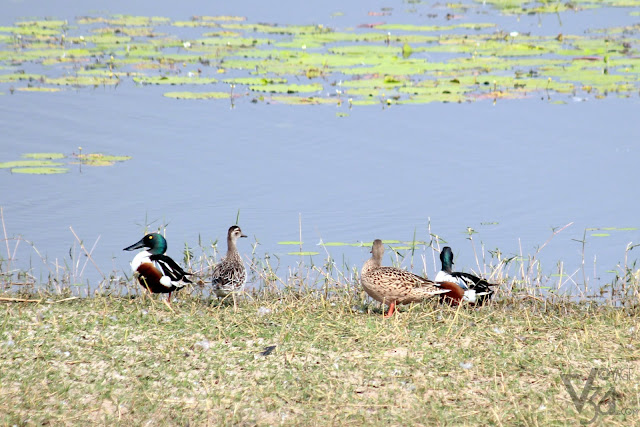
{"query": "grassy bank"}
pixel 335 361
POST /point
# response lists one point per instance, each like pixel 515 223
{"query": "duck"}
pixel 229 275
pixel 166 279
pixel 468 288
pixel 392 286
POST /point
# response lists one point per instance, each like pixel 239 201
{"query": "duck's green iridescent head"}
pixel 155 242
pixel 446 256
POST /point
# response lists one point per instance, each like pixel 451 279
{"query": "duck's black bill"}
pixel 137 245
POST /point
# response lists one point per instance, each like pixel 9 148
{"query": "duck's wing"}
pixel 393 277
pixel 171 268
pixel 228 275
pixel 482 288
pixel 476 283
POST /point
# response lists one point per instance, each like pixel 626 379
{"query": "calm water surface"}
pixel 511 171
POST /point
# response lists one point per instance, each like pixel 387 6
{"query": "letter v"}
pixel 579 401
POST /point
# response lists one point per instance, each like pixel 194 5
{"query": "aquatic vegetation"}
pixel 37 167
pixel 98 159
pixel 197 95
pixel 389 63
pixel 44 164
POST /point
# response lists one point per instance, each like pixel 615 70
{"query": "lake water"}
pixel 512 171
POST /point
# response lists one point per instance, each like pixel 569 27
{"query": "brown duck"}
pixel 391 285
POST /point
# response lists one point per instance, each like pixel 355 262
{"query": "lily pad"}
pixel 286 88
pixel 303 253
pixel 301 100
pixel 38 89
pixel 29 163
pixel 41 156
pixel 99 159
pixel 40 170
pixel 174 80
pixel 197 95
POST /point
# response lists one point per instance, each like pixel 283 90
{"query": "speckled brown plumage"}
pixel 391 285
pixel 229 274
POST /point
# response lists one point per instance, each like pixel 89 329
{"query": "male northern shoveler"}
pixel 229 274
pixel 391 285
pixel 172 276
pixel 469 288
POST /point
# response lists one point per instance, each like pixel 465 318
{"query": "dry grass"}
pixel 336 361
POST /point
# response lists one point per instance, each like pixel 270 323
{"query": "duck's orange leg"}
pixel 392 307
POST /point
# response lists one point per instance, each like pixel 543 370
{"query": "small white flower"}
pixel 466 365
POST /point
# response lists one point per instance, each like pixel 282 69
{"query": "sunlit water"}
pixel 511 171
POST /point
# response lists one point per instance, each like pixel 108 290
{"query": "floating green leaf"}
pixel 261 81
pixel 286 88
pixel 41 156
pixel 99 159
pixel 39 89
pixel 174 80
pixel 40 170
pixel 28 163
pixel 301 100
pixel 303 253
pixel 197 95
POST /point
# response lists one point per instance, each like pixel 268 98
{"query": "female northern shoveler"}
pixel 229 274
pixel 171 277
pixel 392 286
pixel 469 288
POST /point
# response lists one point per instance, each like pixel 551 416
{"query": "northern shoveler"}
pixel 470 288
pixel 172 276
pixel 391 285
pixel 229 274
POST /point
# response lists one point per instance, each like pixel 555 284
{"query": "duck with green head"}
pixel 471 289
pixel 166 279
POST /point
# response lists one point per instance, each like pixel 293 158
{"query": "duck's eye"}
pixel 150 237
